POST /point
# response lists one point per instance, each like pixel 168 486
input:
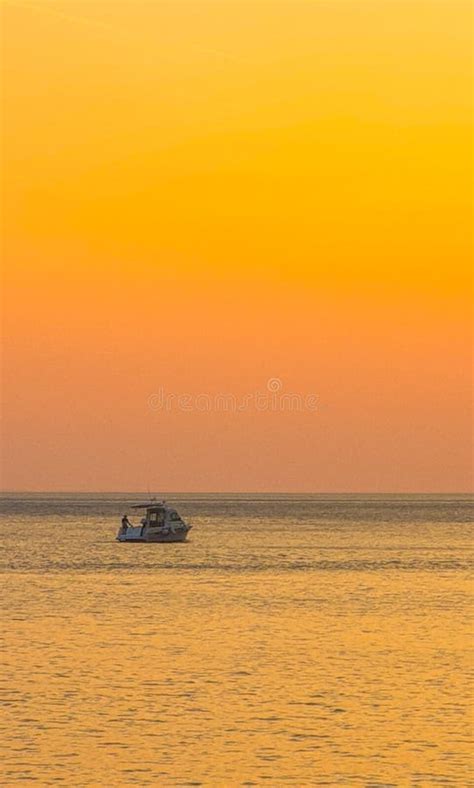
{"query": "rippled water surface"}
pixel 300 640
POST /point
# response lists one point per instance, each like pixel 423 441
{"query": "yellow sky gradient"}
pixel 201 196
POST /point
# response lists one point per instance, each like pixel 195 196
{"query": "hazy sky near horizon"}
pixel 203 196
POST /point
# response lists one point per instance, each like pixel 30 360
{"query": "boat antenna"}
pixel 150 497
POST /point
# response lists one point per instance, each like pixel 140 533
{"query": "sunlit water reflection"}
pixel 304 640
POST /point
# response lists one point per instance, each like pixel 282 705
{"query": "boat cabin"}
pixel 158 514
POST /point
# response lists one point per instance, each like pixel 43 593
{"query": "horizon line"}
pixel 235 492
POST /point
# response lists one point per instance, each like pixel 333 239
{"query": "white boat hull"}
pixel 139 534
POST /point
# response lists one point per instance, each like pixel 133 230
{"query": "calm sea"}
pixel 294 640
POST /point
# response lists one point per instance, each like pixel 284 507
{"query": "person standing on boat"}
pixel 125 523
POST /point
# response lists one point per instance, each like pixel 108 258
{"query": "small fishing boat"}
pixel 160 523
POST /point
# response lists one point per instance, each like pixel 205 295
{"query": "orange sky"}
pixel 200 196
